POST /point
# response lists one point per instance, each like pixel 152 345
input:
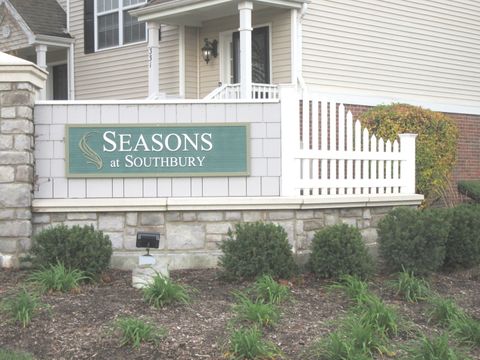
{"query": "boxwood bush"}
pixel 414 240
pixel 255 249
pixel 470 188
pixel 463 242
pixel 82 248
pixel 339 250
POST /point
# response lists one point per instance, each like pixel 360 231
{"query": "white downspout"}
pixel 70 60
pixel 299 48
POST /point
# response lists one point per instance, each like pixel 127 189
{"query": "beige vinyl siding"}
pixel 278 19
pixel 402 49
pixel 191 60
pixel 63 4
pixel 17 39
pixel 121 73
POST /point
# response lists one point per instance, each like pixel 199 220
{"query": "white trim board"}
pixel 221 203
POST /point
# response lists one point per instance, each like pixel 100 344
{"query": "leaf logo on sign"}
pixel 91 156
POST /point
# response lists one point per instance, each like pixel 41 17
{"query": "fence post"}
pixel 289 114
pixel 407 166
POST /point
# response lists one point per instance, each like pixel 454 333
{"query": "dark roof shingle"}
pixel 44 17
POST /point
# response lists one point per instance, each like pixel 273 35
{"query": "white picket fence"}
pixel 328 154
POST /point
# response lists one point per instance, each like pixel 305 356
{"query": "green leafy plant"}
pixel 14 355
pixel 414 240
pixel 463 242
pixel 444 311
pixel 410 287
pixel 436 348
pixel 22 306
pixel 436 143
pixel 341 346
pixel 339 250
pixel 134 332
pixel 256 312
pixel 375 313
pixel 254 249
pixel 162 291
pixel 247 344
pixel 466 330
pixel 267 290
pixel 57 278
pixel 356 289
pixel 82 248
pixel 470 188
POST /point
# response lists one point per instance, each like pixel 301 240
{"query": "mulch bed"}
pixel 79 326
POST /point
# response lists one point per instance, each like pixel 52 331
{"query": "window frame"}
pixel 120 10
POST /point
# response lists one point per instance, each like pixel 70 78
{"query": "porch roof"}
pixel 194 12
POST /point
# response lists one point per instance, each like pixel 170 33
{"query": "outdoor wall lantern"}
pixel 148 240
pixel 209 50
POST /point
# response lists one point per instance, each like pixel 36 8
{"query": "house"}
pixel 361 52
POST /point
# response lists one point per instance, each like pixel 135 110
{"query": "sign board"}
pixel 157 150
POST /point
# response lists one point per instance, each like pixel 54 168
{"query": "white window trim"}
pixel 120 11
pixel 224 69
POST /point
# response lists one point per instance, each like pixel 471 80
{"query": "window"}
pixel 114 26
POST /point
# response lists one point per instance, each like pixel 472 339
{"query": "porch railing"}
pixel 232 91
pixel 327 153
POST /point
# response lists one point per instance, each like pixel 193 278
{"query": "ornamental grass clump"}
pixel 162 291
pixel 134 332
pixel 354 288
pixel 255 312
pixel 22 307
pixel 435 348
pixel 248 344
pixel 6 354
pixel 339 250
pixel 436 143
pixel 57 278
pixel 255 249
pixel 410 287
pixel 267 290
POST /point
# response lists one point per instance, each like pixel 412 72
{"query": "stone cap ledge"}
pixel 221 203
pixel 17 70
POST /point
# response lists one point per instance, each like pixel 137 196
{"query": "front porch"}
pixel 256 47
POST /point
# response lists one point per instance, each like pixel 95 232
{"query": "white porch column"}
pixel 153 58
pixel 245 9
pixel 41 51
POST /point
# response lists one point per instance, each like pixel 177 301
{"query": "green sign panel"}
pixel 162 150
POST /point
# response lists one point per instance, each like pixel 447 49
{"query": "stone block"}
pixel 189 216
pixel 81 223
pixel 197 260
pixel 281 215
pixel 142 276
pixel 210 216
pixel 23 214
pixel 24 173
pixel 116 238
pixel 185 236
pixel 23 142
pixel 8 246
pixel 305 214
pixel 107 222
pixel 17 127
pixel 131 218
pixel 15 195
pixel 369 235
pixel 82 216
pixel 351 213
pixel 289 227
pixel 152 218
pixel 217 228
pixel 41 219
pixel 313 225
pixel 8 113
pixel 350 221
pixel 16 228
pixel 15 157
pixel 24 112
pixel 6 142
pixel 58 217
pixel 173 216
pixel 233 215
pixel 6 86
pixel 367 215
pixel 25 244
pixel 7 174
pixel 215 238
pixel 331 219
pixel 19 97
pixel 252 216
pixel 25 86
pixel 7 214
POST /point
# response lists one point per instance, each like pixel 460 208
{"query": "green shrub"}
pixel 256 249
pixel 463 242
pixel 57 278
pixel 82 248
pixel 136 331
pixel 410 287
pixel 247 344
pixel 470 188
pixel 339 250
pixel 22 306
pixel 162 291
pixel 413 240
pixel 436 144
